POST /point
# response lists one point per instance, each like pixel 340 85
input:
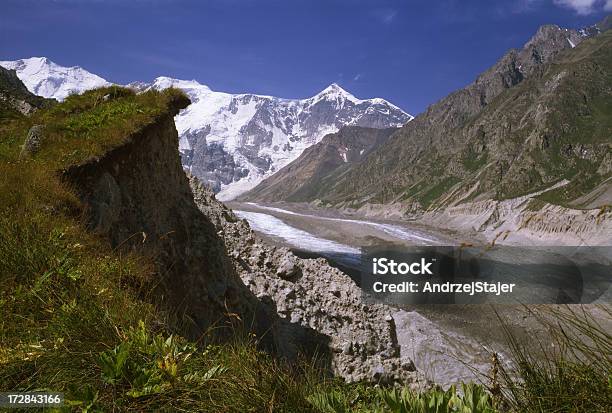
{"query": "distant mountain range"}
pixel 231 141
pixel 234 141
pixel 320 166
pixel 539 120
pixel 47 79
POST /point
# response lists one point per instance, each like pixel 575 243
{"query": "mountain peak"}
pixel 163 82
pixel 45 78
pixel 41 60
pixel 334 88
pixel 335 92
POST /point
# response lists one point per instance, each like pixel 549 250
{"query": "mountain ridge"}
pixel 319 165
pixel 231 141
pixel 465 145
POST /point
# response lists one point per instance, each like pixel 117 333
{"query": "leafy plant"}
pixel 474 400
pixel 113 363
pixel 330 402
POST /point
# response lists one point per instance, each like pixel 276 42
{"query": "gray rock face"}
pixel 138 197
pixel 288 268
pixel 15 96
pixel 308 293
pixel 211 162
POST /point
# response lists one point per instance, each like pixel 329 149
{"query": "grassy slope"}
pixel 73 309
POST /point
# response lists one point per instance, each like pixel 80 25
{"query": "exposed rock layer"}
pixel 138 197
pixel 311 293
pixel 214 269
pixel 15 96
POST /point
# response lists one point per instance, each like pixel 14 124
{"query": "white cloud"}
pixel 357 76
pixel 385 16
pixel 388 18
pixel 582 7
pixel 608 5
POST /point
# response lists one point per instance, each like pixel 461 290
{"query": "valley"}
pixel 215 238
pixel 333 225
pixel 448 343
pixel 432 337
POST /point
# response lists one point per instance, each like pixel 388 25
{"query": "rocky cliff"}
pixel 309 293
pixel 15 97
pixel 138 196
pixel 214 272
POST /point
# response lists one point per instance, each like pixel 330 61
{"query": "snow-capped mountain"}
pixel 231 141
pixel 47 79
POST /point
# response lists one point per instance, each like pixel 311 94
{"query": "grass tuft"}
pixel 570 372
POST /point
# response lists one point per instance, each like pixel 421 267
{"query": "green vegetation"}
pixel 473 161
pixel 427 191
pixel 439 189
pixel 584 182
pixel 472 399
pixel 88 125
pixel 78 317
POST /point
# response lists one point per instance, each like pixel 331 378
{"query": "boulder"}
pixel 33 141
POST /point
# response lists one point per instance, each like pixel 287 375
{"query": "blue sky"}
pixel 409 52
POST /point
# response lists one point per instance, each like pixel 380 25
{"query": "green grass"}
pixel 472 399
pixel 584 182
pixel 472 161
pixel 569 372
pixel 438 190
pixel 78 317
